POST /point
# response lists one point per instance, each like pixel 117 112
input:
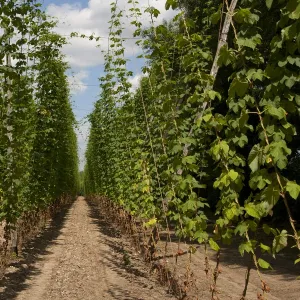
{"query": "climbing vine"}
pixel 38 151
pixel 211 132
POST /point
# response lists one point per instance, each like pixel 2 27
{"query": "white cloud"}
pixel 135 81
pixel 82 53
pixel 76 82
pixel 94 19
pixel 82 133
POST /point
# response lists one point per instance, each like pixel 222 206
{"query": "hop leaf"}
pixel 255 158
pixel 269 3
pixel 264 264
pixel 293 188
pixel 213 245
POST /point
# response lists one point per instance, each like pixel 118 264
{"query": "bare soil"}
pixel 281 281
pixel 173 263
pixel 80 256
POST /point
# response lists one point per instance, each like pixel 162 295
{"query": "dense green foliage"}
pixel 198 138
pixel 38 147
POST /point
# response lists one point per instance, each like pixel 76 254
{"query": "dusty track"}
pixel 79 257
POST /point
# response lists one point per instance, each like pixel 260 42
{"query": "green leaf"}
pixel 189 205
pixel 280 241
pixel 247 246
pixel 282 63
pixel 150 223
pixel 238 88
pixel 233 175
pixel 293 188
pixel 260 179
pixel 265 248
pixel 207 117
pixel 215 17
pixel 269 3
pixel 244 15
pixel 279 152
pixel 255 74
pixel 171 3
pixel 249 42
pixel 278 113
pixel 252 210
pixel 189 160
pixel 290 82
pixel 294 7
pixel 231 212
pixel 297 261
pixel 213 94
pixel 241 228
pixel 176 149
pixel 201 236
pixel 224 147
pixel 226 56
pixel 295 14
pixel 255 158
pixel 243 120
pixel 297 99
pixel 213 245
pixel 264 264
pixel 267 229
pixel 270 196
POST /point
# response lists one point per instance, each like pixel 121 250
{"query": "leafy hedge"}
pixel 212 130
pixel 38 148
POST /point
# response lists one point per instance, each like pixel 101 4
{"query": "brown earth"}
pixel 281 281
pixel 188 270
pixel 79 256
pixel 82 256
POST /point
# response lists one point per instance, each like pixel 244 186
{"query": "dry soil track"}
pixel 78 257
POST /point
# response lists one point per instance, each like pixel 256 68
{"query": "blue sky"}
pixel 85 59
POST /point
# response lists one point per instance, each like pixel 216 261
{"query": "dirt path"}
pixel 79 257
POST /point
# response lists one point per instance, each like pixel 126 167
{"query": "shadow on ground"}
pixel 282 265
pixel 23 268
pixel 108 230
pixel 135 271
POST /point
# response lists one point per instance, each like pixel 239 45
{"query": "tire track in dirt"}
pixel 84 263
